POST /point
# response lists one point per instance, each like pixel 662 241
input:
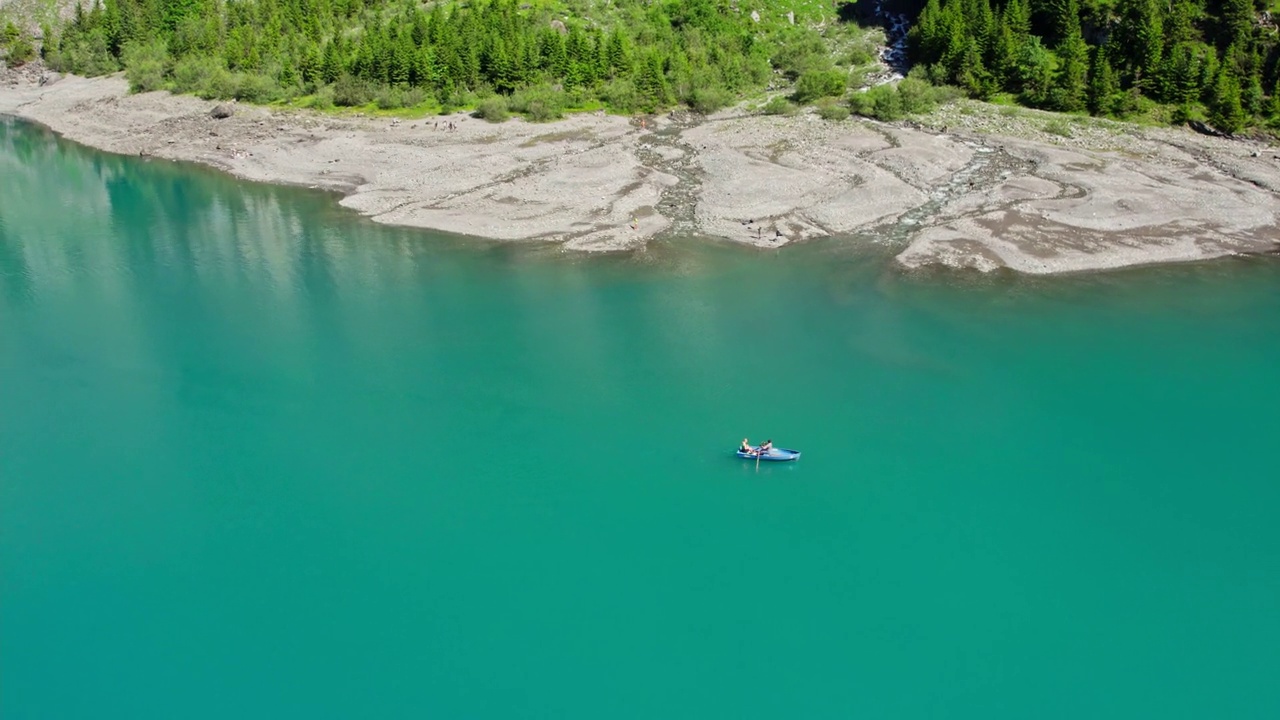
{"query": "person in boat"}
pixel 766 447
pixel 746 447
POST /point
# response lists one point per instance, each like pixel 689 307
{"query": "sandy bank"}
pixel 964 188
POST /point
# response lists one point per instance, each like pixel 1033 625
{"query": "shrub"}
pixel 621 96
pixel 191 74
pixel 323 99
pixel 415 96
pixel 48 41
pixel 350 91
pixel 831 110
pixel 221 85
pixel 805 51
pixel 1059 127
pixel 856 77
pixel 255 88
pixel 1185 113
pixel 576 97
pixel 816 84
pixel 144 65
pixel 707 100
pixel 539 103
pixel 916 96
pixel 21 51
pixel 85 54
pixel 779 105
pixel 389 98
pixel 544 110
pixel 493 109
pixel 945 94
pixel 860 56
pixel 881 102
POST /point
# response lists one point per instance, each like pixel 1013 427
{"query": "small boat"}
pixel 774 455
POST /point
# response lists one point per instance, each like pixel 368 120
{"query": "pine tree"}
pixel 619 53
pixel 1237 23
pixel 1004 57
pixel 1035 72
pixel 331 67
pixel 1103 84
pixel 1017 17
pixel 955 41
pixel 425 70
pixel 1072 89
pixel 402 60
pixel 499 68
pixel 1273 105
pixel 926 36
pixel 1141 36
pixel 1179 25
pixel 1180 76
pixel 1225 111
pixel 1251 97
pixel 652 83
pixel 1064 20
pixel 972 74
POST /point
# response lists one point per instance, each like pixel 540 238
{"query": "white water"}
pixel 893 56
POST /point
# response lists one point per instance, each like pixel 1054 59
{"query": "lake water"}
pixel 261 458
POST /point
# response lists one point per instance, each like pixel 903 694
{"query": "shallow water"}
pixel 261 458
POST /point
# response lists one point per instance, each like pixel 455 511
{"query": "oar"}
pixel 758 454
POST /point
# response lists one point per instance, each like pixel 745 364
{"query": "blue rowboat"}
pixel 774 455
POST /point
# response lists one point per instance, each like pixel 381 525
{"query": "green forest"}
pixel 539 59
pixel 1170 60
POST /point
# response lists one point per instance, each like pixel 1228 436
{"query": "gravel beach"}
pixel 967 187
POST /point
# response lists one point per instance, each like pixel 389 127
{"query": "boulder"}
pixel 220 112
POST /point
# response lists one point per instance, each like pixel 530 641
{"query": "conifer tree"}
pixel 1103 84
pixel 925 36
pixel 1225 111
pixel 1071 93
pixel 1274 105
pixel 1035 72
pixel 1004 57
pixel 972 74
pixel 1251 97
pixel 1141 36
pixel 652 83
pixel 1180 76
pixel 1237 23
pixel 1017 17
pixel 619 57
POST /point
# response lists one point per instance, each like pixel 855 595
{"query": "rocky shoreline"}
pixel 967 187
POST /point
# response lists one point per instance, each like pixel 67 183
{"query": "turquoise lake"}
pixel 261 458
